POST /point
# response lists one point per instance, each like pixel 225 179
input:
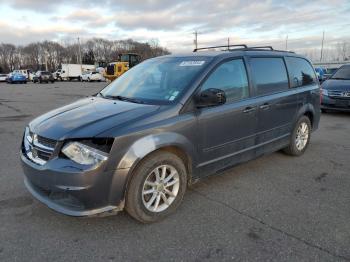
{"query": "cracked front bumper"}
pixel 70 190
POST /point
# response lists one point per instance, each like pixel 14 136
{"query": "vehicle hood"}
pixel 334 84
pixel 88 117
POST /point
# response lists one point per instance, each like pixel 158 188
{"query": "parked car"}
pixel 320 74
pixel 25 72
pixel 329 72
pixel 3 77
pixel 16 77
pixel 43 76
pixel 91 76
pixel 165 124
pixel 336 91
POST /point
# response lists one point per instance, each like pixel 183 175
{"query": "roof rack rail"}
pixel 262 47
pixel 243 47
pixel 220 46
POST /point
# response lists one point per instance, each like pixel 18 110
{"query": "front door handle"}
pixel 265 106
pixel 249 109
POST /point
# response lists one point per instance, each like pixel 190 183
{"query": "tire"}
pixel 293 149
pixel 324 110
pixel 136 200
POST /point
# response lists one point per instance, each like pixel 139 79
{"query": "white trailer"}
pixel 72 71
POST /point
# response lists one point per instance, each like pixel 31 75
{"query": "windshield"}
pixel 157 81
pixel 342 73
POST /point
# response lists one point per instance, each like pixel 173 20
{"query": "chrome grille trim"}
pixel 35 150
pixel 337 93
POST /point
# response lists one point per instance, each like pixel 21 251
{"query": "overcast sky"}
pixel 172 22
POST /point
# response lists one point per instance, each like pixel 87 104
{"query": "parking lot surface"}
pixel 275 208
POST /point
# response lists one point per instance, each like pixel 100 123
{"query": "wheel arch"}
pixel 174 143
pixel 309 111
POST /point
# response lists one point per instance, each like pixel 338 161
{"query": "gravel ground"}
pixel 275 208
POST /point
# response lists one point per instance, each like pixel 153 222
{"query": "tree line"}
pixel 49 54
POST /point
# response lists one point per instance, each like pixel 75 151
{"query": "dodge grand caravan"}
pixel 167 123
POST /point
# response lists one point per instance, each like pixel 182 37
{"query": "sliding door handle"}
pixel 249 109
pixel 265 106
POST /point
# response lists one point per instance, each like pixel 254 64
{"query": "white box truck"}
pixel 72 71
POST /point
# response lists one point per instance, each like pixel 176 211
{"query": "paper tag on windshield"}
pixel 192 63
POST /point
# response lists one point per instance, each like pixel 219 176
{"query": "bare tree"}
pixel 49 55
pixel 343 50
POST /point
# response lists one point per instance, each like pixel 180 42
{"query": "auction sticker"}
pixel 192 63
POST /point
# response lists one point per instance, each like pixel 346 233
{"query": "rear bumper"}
pixel 70 190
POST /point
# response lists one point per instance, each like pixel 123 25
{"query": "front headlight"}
pixel 325 92
pixel 83 154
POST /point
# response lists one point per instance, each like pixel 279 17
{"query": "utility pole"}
pixel 195 39
pixel 287 43
pixel 322 47
pixel 79 56
pixel 228 43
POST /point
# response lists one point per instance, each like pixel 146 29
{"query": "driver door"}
pixel 228 131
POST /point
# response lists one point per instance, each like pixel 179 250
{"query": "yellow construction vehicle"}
pixel 124 63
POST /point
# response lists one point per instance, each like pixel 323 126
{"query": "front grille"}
pixel 38 149
pixel 339 94
pixel 47 142
pixel 43 155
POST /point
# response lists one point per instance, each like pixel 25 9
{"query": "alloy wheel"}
pixel 160 188
pixel 302 136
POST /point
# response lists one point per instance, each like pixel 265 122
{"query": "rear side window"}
pixel 301 72
pixel 230 77
pixel 270 75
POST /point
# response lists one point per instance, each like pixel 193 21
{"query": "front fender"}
pixel 146 145
pixel 137 151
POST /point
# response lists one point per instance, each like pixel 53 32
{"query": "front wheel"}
pixel 157 187
pixel 300 137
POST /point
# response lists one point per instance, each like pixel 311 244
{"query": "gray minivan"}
pixel 167 123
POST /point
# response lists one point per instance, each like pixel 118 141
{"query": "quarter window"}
pixel 270 75
pixel 230 77
pixel 301 72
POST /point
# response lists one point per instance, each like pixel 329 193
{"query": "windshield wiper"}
pixel 124 98
pixel 340 78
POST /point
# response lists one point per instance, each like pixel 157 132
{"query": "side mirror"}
pixel 211 97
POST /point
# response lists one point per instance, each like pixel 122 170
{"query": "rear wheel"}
pixel 300 137
pixel 157 187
